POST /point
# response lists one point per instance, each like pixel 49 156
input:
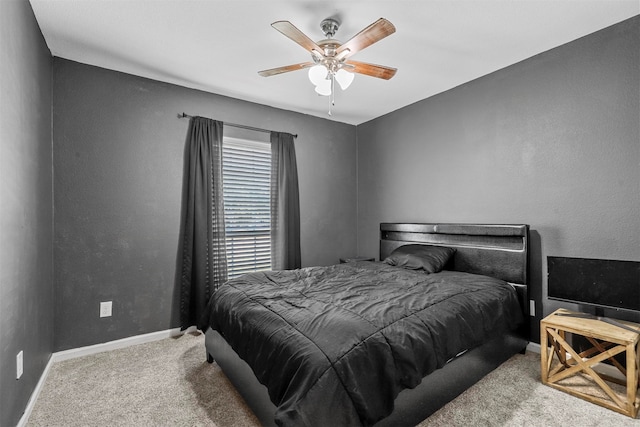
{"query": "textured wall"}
pixel 552 141
pixel 118 157
pixel 26 223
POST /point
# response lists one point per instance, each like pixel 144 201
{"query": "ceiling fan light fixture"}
pixel 344 78
pixel 318 74
pixel 324 88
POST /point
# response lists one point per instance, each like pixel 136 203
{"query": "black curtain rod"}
pixel 185 115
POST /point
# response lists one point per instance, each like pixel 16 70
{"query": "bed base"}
pixel 411 406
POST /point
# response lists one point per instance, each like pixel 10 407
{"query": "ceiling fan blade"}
pixel 289 30
pixel 373 70
pixel 285 69
pixel 365 38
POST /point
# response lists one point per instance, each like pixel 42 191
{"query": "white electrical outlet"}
pixel 532 308
pixel 19 365
pixel 105 309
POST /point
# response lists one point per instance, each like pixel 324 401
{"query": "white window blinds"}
pixel 247 185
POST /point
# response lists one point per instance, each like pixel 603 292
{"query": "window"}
pixel 246 175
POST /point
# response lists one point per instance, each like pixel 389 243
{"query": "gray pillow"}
pixel 429 258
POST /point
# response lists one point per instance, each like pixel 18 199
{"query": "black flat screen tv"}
pixel 599 283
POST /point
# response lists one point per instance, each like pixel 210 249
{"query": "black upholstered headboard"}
pixel 498 250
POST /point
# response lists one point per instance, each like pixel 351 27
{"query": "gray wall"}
pixel 26 222
pixel 118 157
pixel 552 141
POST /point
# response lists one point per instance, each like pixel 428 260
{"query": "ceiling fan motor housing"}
pixel 329 46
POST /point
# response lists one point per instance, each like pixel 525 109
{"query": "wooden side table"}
pixel 560 361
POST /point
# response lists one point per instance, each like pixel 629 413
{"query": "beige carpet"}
pixel 169 383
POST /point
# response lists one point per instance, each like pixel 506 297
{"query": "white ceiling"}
pixel 218 46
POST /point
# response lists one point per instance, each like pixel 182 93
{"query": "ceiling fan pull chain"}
pixel 332 100
pixel 333 90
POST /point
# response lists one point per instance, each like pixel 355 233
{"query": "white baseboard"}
pixel 35 394
pixel 94 349
pixel 114 345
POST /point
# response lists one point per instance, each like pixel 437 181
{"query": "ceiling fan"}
pixel 330 58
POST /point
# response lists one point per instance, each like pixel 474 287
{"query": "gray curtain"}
pixel 204 263
pixel 285 204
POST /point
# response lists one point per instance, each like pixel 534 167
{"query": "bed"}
pixel 375 343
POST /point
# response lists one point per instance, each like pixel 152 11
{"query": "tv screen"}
pixel 597 282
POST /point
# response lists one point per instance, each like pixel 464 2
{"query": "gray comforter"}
pixel 335 345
